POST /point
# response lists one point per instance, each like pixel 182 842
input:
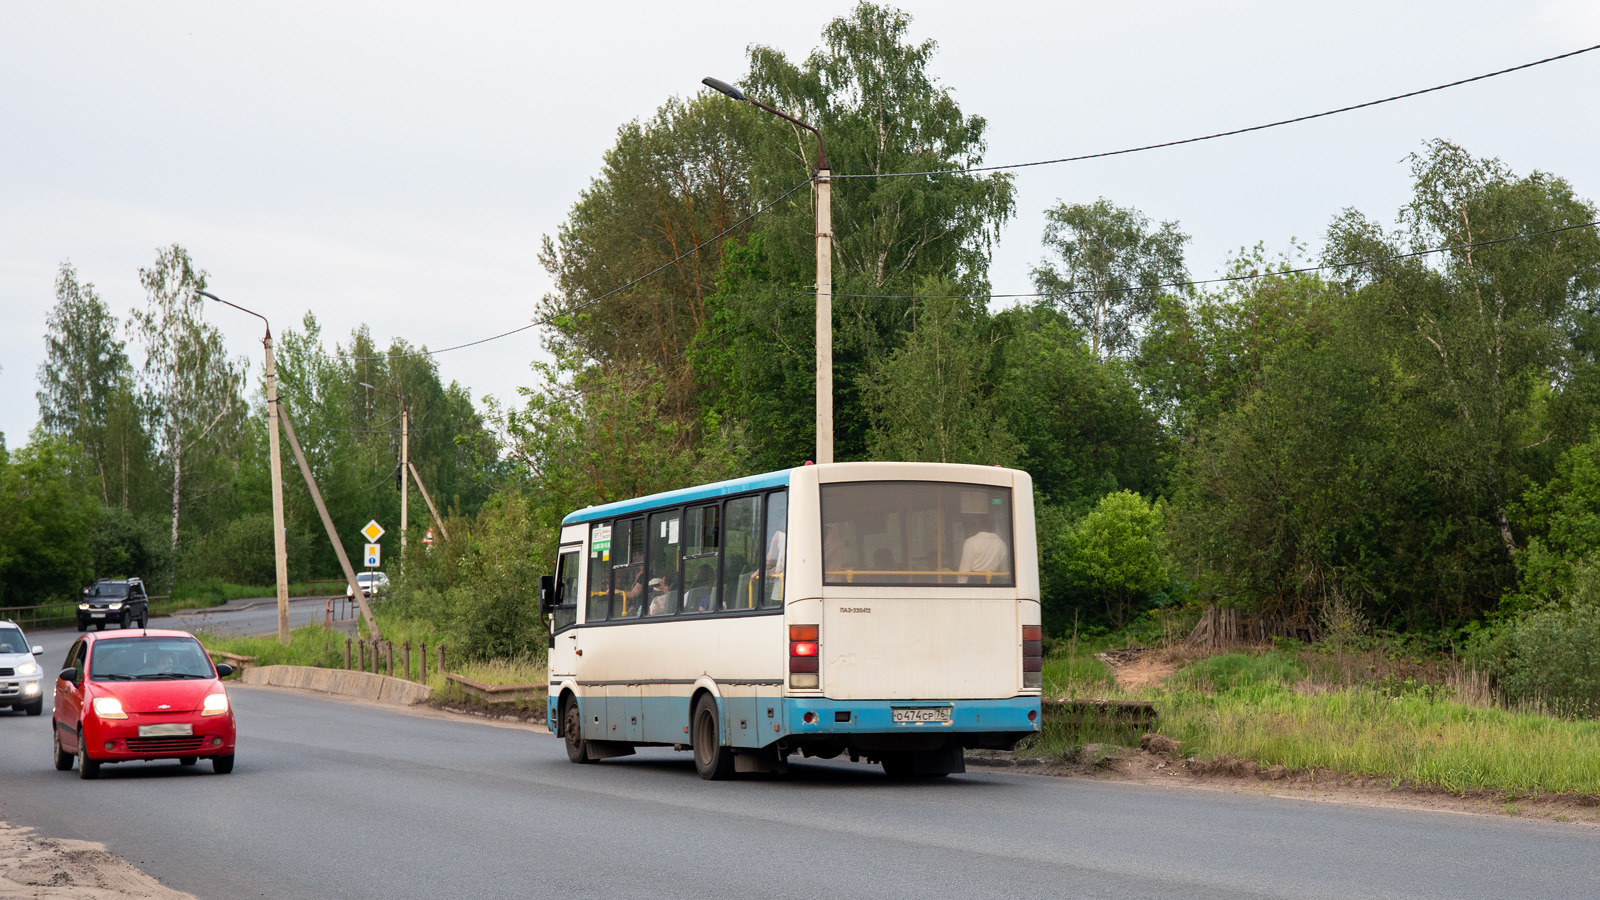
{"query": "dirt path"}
pixel 35 868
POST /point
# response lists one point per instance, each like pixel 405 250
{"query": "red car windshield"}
pixel 149 658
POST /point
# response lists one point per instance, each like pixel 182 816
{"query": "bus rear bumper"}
pixel 972 723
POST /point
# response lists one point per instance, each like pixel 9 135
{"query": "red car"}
pixel 146 694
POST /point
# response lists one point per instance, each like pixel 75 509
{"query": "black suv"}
pixel 122 601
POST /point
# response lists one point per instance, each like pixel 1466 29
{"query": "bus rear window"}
pixel 916 533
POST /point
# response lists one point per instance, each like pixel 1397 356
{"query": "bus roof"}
pixel 682 496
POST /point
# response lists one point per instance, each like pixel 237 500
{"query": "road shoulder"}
pixel 40 868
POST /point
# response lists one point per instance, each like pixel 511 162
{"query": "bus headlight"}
pixel 215 705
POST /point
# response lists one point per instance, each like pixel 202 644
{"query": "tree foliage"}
pixel 1113 269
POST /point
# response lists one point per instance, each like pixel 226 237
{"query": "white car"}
pixel 370 582
pixel 21 676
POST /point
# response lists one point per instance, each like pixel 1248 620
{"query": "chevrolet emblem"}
pixel 165 706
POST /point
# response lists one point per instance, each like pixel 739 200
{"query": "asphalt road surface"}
pixel 333 799
pixel 259 616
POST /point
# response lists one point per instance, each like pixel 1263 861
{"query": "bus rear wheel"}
pixel 713 761
pixel 572 727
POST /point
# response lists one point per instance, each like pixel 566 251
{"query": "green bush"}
pixel 242 551
pixel 480 587
pixel 1548 657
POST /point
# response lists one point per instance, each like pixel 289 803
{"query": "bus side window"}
pixel 700 542
pixel 661 591
pixel 627 569
pixel 599 573
pixel 777 544
pixel 566 614
pixel 741 553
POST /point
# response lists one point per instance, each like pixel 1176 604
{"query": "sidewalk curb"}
pixel 379 688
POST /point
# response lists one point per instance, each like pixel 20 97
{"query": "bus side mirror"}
pixel 547 594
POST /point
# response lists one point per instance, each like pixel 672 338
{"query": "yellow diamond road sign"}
pixel 373 531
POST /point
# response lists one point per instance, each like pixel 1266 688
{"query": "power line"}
pixel 587 303
pixel 1228 278
pixel 1222 134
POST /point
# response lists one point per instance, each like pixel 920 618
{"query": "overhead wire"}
pixel 1222 134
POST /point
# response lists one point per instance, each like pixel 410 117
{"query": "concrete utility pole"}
pixel 279 545
pixel 431 508
pixel 327 523
pixel 823 183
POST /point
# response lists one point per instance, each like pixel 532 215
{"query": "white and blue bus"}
pixel 889 611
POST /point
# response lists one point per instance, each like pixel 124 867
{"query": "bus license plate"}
pixel 172 729
pixel 921 714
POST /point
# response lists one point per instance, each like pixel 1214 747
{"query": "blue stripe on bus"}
pixel 679 497
pixel 662 720
pixel 877 716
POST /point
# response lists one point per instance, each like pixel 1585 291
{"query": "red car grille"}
pixel 182 744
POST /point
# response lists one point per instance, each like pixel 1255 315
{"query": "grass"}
pixel 1376 715
pixel 1366 731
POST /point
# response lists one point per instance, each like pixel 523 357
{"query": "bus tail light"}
pixel 1032 656
pixel 804 650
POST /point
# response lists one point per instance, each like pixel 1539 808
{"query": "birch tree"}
pixel 189 386
pixel 1111 265
pixel 84 370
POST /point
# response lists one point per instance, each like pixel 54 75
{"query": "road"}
pixel 258 616
pixel 344 800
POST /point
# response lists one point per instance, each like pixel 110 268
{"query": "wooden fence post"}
pixel 407 646
pixel 363 648
pixel 442 669
pixel 347 654
pixel 388 648
pixel 422 661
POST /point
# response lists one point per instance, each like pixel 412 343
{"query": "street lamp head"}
pixel 367 386
pixel 239 308
pixel 723 87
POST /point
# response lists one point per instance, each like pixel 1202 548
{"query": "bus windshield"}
pixel 916 533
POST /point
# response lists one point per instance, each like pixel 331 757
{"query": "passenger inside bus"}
pixel 631 591
pixel 984 552
pixel 662 596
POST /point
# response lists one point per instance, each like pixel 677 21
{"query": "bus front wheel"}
pixel 713 761
pixel 572 725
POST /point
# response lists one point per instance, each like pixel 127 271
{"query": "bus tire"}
pixel 713 761
pixel 572 725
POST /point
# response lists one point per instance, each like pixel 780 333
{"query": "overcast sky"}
pixel 397 163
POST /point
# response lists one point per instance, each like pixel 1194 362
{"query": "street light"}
pixel 280 551
pixel 405 461
pixel 824 273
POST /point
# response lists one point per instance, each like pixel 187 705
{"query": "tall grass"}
pixel 1416 738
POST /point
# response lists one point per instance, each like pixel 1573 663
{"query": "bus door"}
pixel 563 636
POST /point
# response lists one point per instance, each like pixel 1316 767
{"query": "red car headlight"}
pixel 215 705
pixel 109 708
